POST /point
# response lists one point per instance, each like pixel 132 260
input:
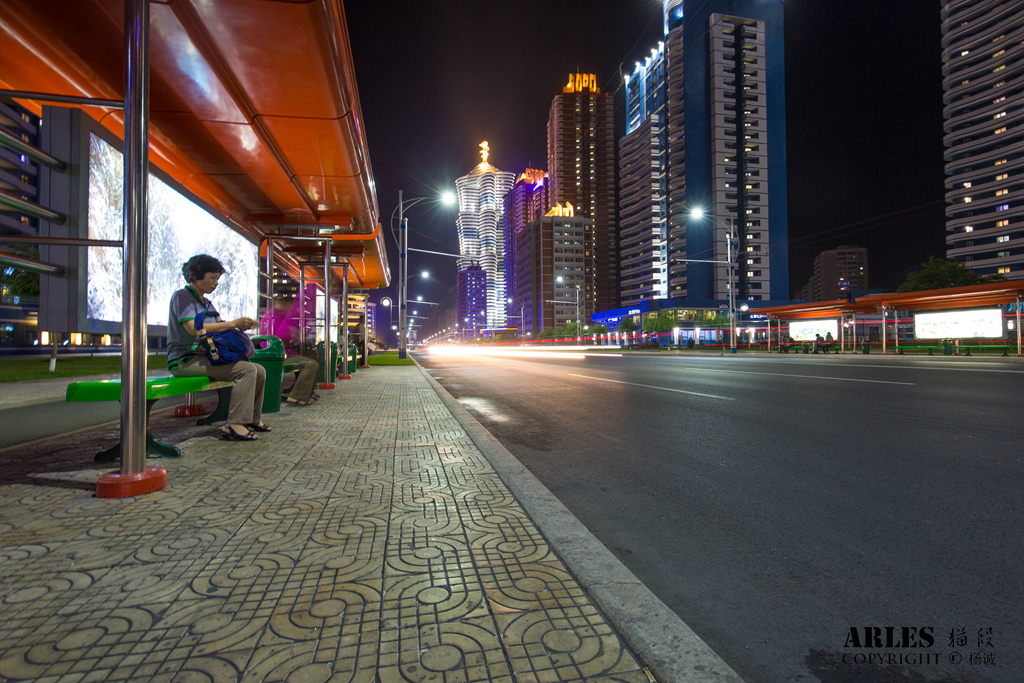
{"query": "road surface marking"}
pixel 649 386
pixel 783 374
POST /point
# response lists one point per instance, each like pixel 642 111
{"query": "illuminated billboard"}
pixel 179 228
pixel 986 323
pixel 805 330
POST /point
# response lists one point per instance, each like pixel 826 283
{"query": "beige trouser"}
pixel 303 386
pixel 247 380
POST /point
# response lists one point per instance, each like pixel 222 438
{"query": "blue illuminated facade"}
pixel 706 110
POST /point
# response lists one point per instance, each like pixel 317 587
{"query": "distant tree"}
pixel 597 329
pixel 626 325
pixel 936 273
pixel 664 322
pixel 18 282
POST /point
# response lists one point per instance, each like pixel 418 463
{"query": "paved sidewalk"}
pixel 366 538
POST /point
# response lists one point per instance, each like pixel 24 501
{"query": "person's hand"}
pixel 245 323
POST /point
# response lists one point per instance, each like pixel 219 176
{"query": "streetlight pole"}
pixel 729 238
pixel 732 290
pixel 403 274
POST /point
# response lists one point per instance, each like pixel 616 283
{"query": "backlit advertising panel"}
pixel 178 229
pixel 805 330
pixel 986 323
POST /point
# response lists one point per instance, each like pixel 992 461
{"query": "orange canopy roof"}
pixel 989 294
pixel 254 105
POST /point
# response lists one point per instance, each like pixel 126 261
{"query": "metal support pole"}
pixel 328 367
pixel 270 271
pixel 134 478
pixel 1018 326
pixel 344 323
pixel 842 334
pixel 769 336
pixel 885 326
pixel 302 311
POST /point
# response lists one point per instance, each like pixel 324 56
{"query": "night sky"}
pixel 863 99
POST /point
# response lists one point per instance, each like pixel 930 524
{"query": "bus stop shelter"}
pixel 250 106
pixel 971 296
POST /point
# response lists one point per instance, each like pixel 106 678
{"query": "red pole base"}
pixel 117 485
pixel 189 411
pixel 344 377
pixel 328 385
pixel 364 367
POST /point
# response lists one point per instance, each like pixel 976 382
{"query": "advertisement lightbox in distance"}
pixel 805 330
pixel 986 323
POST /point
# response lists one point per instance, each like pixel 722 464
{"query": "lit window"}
pixel 1003 176
pixel 964 82
pixel 1002 223
pixel 1001 161
pixel 998 100
pixel 1001 192
pixel 1002 207
pixel 967 184
pixel 967 200
pixel 998 53
pixel 1003 270
pixel 1003 238
pixel 999 84
pixel 964 53
pixel 999 115
pixel 969 228
pixel 1000 130
pixel 999 68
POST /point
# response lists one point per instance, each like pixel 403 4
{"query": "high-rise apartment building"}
pixel 480 226
pixel 836 273
pixel 554 270
pixel 706 111
pixel 983 80
pixel 526 202
pixel 581 170
pixel 471 287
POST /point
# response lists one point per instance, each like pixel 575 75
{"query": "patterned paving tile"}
pixel 365 539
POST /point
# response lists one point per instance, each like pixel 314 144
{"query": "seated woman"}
pixel 282 321
pixel 186 357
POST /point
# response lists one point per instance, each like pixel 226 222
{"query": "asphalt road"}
pixel 774 503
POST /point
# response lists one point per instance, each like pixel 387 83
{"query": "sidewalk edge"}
pixel 659 638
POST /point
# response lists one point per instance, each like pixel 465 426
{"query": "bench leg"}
pixel 153 447
pixel 221 414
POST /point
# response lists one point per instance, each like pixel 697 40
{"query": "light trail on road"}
pixel 783 374
pixel 651 386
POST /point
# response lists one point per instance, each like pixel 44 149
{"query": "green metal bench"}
pixel 156 389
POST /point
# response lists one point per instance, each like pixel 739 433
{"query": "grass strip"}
pixel 21 369
pixel 389 358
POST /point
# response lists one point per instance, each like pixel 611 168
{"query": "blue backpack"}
pixel 225 347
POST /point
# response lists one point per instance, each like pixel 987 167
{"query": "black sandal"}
pixel 300 404
pixel 229 434
pixel 260 427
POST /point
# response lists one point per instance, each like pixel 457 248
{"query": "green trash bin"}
pixel 270 354
pixel 865 348
pixel 947 347
pixel 807 348
pixel 320 359
pixel 353 359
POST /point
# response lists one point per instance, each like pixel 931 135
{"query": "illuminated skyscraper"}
pixel 581 170
pixel 707 132
pixel 983 85
pixel 525 203
pixel 481 242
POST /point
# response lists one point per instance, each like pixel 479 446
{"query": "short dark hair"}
pixel 198 266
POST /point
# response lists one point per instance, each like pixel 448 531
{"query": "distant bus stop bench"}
pixel 156 389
